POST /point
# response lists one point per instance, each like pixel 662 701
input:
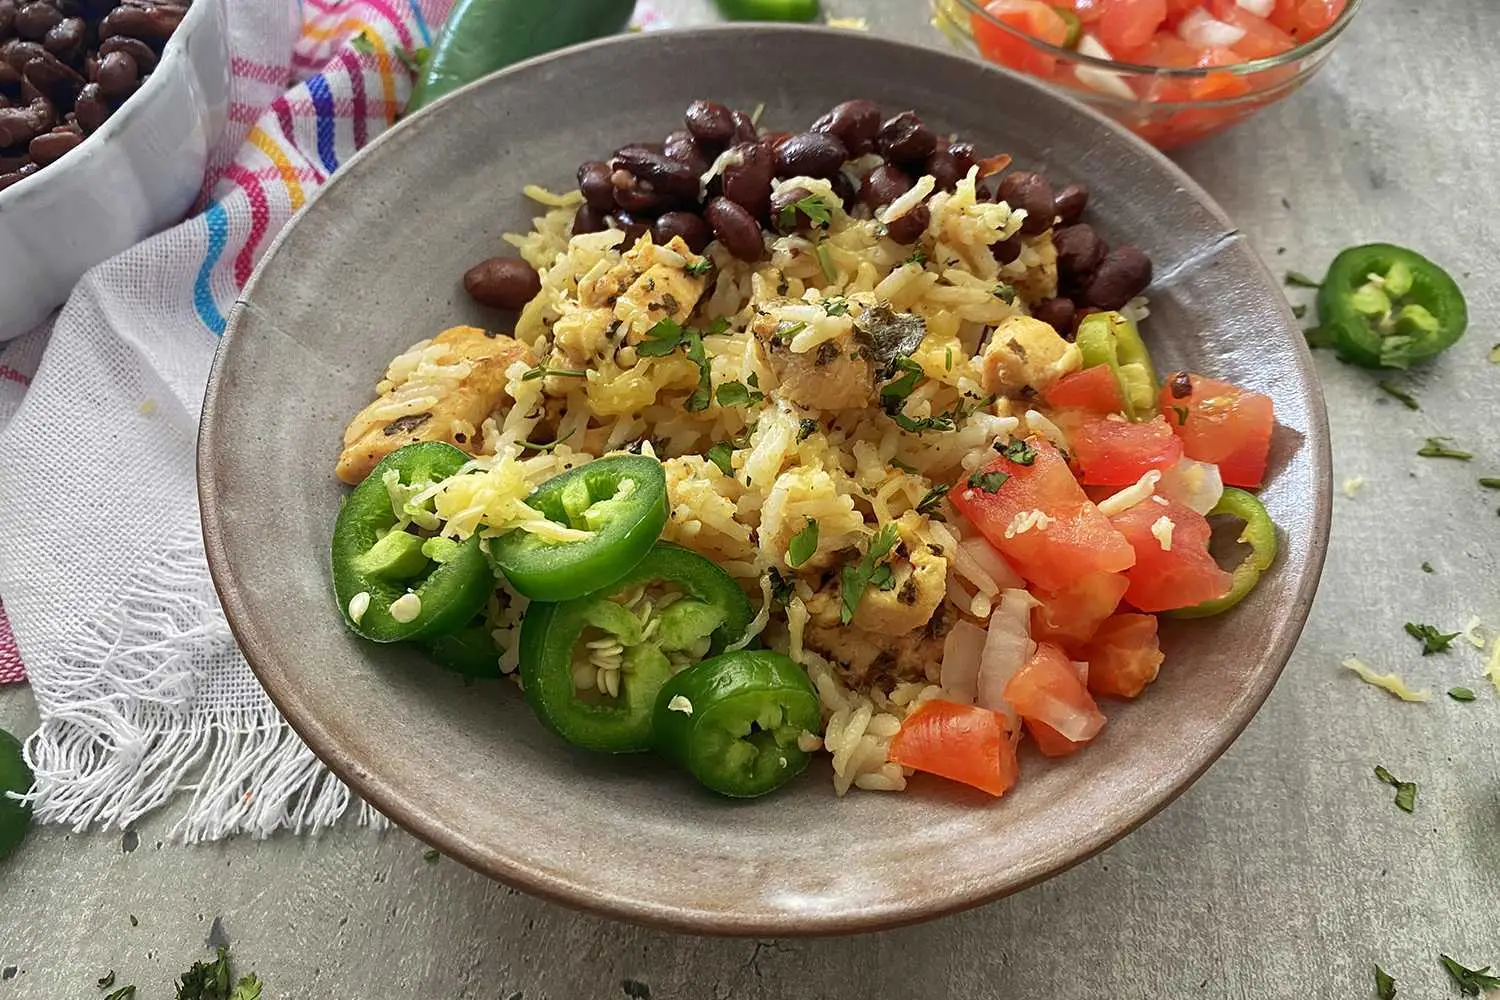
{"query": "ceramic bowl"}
pixel 374 263
pixel 136 175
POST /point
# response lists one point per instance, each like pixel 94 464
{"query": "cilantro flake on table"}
pixel 1406 791
pixel 1385 986
pixel 1392 389
pixel 1431 639
pixel 1470 982
pixel 1441 447
pixel 1461 694
pixel 1297 279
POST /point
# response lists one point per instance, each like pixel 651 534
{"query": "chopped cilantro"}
pixel 786 331
pixel 431 857
pixel 931 500
pixel 884 578
pixel 806 427
pixel 1392 389
pixel 896 463
pixel 988 482
pixel 948 359
pixel 1021 452
pixel 699 267
pixel 918 257
pixel 123 993
pixel 211 981
pixel 1182 415
pixel 737 394
pixel 1471 982
pixel 1431 639
pixel 1385 986
pixel 752 380
pixel 721 455
pixel 813 206
pixel 836 305
pixel 854 579
pixel 1406 791
pixel 107 980
pixel 783 589
pixel 716 327
pixel 893 394
pixel 1300 280
pixel 803 544
pixel 916 425
pixel 542 371
pixel 825 264
pixel 1005 292
pixel 1427 567
pixel 693 348
pixel 1461 694
pixel 548 446
pixel 1299 310
pixel 1490 482
pixel 891 336
pixel 1436 448
pixel 662 339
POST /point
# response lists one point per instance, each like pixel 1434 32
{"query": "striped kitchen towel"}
pixel 139 686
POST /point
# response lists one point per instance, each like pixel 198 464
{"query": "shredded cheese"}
pixel 1161 529
pixel 1352 485
pixel 1472 632
pixel 1026 520
pixel 1387 682
pixel 1492 665
pixel 1131 495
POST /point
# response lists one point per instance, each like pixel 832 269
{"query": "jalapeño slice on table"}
pixel 734 721
pixel 705 612
pixel 622 500
pixel 391 583
pixel 1384 306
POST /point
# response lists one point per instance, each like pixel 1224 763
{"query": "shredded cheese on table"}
pixel 1387 682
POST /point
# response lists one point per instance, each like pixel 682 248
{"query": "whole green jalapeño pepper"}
pixel 1107 338
pixel 1384 306
pixel 392 584
pixel 15 776
pixel 1259 534
pixel 621 499
pixel 769 10
pixel 710 610
pixel 734 721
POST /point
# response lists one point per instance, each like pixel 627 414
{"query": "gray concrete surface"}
pixel 1286 872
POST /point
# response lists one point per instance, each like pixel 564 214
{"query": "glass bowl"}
pixel 1167 107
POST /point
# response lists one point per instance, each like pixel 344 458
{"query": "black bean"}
pixel 594 182
pixel 143 54
pixel 10 78
pixel 909 228
pixel 502 282
pixel 883 185
pixel 1026 190
pixel 1070 203
pixel 53 78
pixel 18 53
pixel 1079 251
pixel 633 227
pixel 7 17
pixel 1006 251
pixel 117 75
pixel 710 121
pixel 964 155
pixel 844 189
pixel 748 182
pixel 91 108
pixel 633 196
pixel 588 219
pixel 744 128
pixel 681 147
pixel 664 176
pixel 18 126
pixel 736 228
pixel 65 39
pixel 152 24
pixel 943 166
pixel 44 149
pixel 693 230
pixel 34 20
pixel 1124 274
pixel 855 123
pixel 810 154
pixel 6 180
pixel 905 139
pixel 1056 313
pixel 786 217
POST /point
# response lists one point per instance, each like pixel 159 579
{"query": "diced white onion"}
pixel 1103 80
pixel 1006 649
pixel 1260 8
pixel 1193 484
pixel 962 651
pixel 992 563
pixel 1202 30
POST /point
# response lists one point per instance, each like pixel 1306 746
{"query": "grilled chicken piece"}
pixel 462 373
pixel 835 375
pixel 1025 352
pixel 921 583
pixel 648 285
pixel 863 656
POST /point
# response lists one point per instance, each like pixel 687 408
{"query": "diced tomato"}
pixel 1030 17
pixel 1124 656
pixel 1094 390
pixel 963 743
pixel 1221 423
pixel 1070 616
pixel 1129 24
pixel 1262 38
pixel 1057 709
pixel 1038 517
pixel 1173 567
pixel 1111 451
pixel 1177 9
pixel 1306 19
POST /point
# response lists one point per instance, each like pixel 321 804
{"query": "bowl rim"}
pixel 569 891
pixel 1250 67
pixel 105 136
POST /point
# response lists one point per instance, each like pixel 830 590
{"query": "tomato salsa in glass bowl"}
pixel 1172 71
